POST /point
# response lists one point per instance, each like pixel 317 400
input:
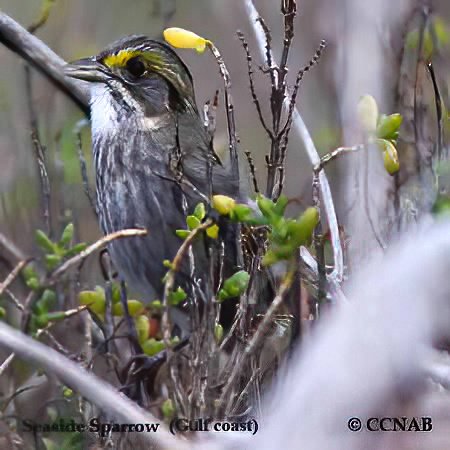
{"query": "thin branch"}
pixel 334 154
pixel 14 300
pixel 170 280
pixel 289 10
pixel 319 248
pixel 313 61
pixel 92 248
pixel 252 167
pixel 302 130
pixel 84 177
pixel 439 115
pixel 13 275
pixel 232 136
pixel 39 151
pixel 43 17
pixel 267 37
pixel 6 363
pixel 252 84
pixel 11 248
pixel 258 336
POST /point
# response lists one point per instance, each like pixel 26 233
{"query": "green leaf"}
pixel 176 297
pixel 388 126
pixel 67 392
pixel 218 332
pixel 33 284
pixel 51 261
pixel 390 156
pixel 183 234
pixel 94 300
pixel 75 250
pixel 441 206
pixel 46 302
pixel 266 206
pixel 56 316
pixel 200 211
pixel 441 31
pixel 213 231
pixel 241 213
pixel 152 347
pixel 306 224
pixel 280 230
pixel 192 222
pixel 29 272
pixel 67 235
pixel 115 287
pixel 168 409
pixel 280 205
pixel 367 112
pixel 135 307
pixel 235 285
pixel 44 242
pixel 142 328
pixel 2 312
pixel 279 253
pixel 41 320
pixel 156 305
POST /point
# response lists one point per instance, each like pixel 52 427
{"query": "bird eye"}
pixel 136 67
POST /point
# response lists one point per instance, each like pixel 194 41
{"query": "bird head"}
pixel 139 74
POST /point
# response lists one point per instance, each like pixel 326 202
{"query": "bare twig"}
pixel 84 177
pixel 252 83
pixel 14 300
pixel 438 104
pixel 170 279
pixel 132 232
pixel 252 167
pixel 314 60
pixel 334 154
pixel 12 275
pixel 39 150
pixel 257 338
pixel 232 135
pixel 165 320
pixel 328 204
pixel 320 249
pixel 43 17
pixel 6 363
pixel 11 248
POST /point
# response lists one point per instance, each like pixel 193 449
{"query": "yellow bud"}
pixel 368 113
pixel 213 231
pixel 181 38
pixel 223 204
pixel 390 156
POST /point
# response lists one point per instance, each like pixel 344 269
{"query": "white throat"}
pixel 103 114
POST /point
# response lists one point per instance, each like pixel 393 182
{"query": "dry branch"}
pixel 92 248
pixel 328 204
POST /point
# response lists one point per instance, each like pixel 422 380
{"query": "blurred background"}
pixel 82 28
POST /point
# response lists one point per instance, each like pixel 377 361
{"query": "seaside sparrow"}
pixel 150 151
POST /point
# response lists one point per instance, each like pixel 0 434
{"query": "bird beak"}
pixel 87 69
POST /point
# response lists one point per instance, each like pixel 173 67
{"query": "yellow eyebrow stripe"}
pixel 120 59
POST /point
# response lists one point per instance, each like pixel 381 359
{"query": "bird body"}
pixel 151 153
